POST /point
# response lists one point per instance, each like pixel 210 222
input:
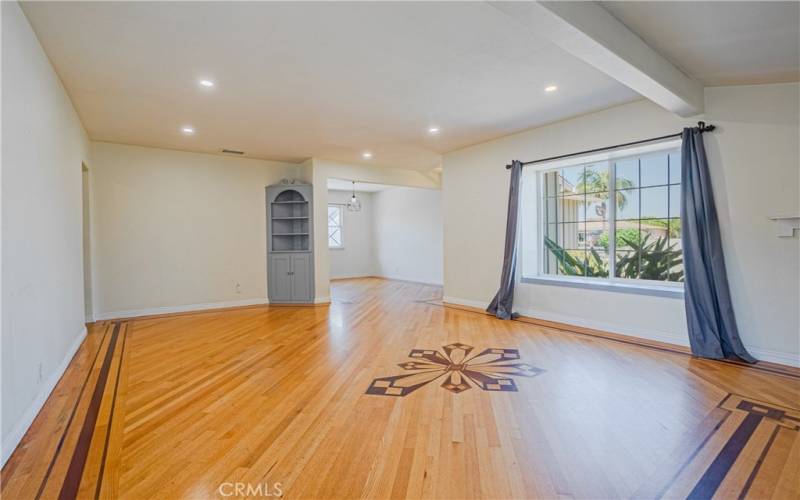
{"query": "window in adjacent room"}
pixel 335 239
pixel 612 220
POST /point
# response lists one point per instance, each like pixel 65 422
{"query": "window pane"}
pixel 549 206
pixel 571 208
pixel 596 236
pixel 550 232
pixel 570 177
pixel 574 263
pixel 646 197
pixel 627 172
pixel 654 170
pixel 675 245
pixel 334 216
pixel 594 179
pixel 675 167
pixel 597 263
pixel 334 237
pixel 597 207
pixel 550 263
pixel 550 183
pixel 627 235
pixel 569 235
pixel 675 201
pixel 334 226
pixel 627 265
pixel 654 202
pixel 627 204
pixel 675 230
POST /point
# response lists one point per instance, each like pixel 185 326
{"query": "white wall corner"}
pixel 13 438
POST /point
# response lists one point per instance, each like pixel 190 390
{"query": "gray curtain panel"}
pixel 503 302
pixel 712 325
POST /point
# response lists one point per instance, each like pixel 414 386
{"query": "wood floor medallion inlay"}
pixel 490 369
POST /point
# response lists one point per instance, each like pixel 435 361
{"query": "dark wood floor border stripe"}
pixel 71 417
pixel 716 472
pixel 111 415
pixel 72 481
pixel 761 458
pixel 696 451
pixel 633 342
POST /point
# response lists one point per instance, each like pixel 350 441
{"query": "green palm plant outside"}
pixel 592 181
pixel 652 260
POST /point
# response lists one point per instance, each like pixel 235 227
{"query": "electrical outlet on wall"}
pixel 238 287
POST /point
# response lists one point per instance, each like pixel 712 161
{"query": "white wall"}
pixel 44 145
pixel 356 258
pixel 176 230
pixel 408 234
pixel 756 172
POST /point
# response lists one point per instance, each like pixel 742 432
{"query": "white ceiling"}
pixel 333 79
pixel 296 80
pixel 361 187
pixel 720 43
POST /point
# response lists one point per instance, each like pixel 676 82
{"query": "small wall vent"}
pixel 232 152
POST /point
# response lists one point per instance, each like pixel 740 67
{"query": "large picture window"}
pixel 615 219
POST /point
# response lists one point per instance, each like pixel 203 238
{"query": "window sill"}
pixel 675 292
pixel 335 248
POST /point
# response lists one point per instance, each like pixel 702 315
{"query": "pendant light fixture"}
pixel 354 204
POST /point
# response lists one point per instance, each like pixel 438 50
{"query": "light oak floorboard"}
pixel 265 395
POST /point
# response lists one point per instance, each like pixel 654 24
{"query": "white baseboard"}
pixel 351 276
pixel 642 333
pixel 783 358
pixel 408 280
pixel 132 313
pixel 12 439
pixel 465 302
pixel 322 300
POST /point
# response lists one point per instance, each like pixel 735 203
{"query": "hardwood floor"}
pixel 275 399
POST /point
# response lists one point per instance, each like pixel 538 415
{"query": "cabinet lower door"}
pixel 301 277
pixel 280 278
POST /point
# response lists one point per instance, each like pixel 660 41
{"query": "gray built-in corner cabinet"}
pixel 290 244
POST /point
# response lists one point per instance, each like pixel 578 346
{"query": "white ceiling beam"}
pixel 587 31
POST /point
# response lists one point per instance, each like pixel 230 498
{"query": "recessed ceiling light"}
pixel 551 88
pixel 206 83
pixel 433 130
pixel 187 130
pixel 366 155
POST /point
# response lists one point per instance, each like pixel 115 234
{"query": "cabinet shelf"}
pixel 290 218
pixel 292 202
pixel 289 234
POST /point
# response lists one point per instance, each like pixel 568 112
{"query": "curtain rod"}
pixel 700 125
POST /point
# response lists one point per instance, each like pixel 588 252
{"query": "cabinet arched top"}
pixel 289 195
